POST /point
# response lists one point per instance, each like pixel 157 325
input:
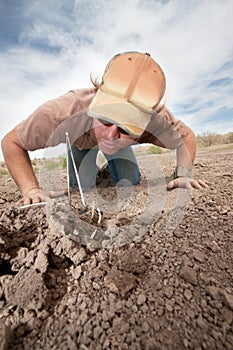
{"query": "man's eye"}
pixel 122 131
pixel 105 123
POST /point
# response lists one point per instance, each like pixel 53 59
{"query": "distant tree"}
pixel 207 138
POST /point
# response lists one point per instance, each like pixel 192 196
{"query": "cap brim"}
pixel 116 110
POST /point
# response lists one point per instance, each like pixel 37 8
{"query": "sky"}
pixel 48 47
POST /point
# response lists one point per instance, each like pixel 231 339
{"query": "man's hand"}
pixel 36 195
pixel 188 183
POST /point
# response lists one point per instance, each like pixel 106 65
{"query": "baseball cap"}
pixel 132 86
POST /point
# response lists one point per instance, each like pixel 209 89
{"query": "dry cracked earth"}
pixel 170 288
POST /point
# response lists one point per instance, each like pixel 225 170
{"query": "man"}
pixel 125 109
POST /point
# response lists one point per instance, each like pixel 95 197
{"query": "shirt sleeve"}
pixel 161 129
pixel 47 125
pixel 35 131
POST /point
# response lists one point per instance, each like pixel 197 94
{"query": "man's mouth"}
pixel 109 144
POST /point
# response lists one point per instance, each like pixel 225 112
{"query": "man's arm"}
pixel 185 155
pixel 19 165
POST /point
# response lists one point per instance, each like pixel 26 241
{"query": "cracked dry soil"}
pixel 172 289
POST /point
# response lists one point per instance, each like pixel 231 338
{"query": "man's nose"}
pixel 113 132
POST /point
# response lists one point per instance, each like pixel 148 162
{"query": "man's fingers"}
pixel 188 183
pixel 27 200
pixel 40 196
pixel 179 182
pixel 195 184
pixel 38 199
pixel 204 183
pixel 20 202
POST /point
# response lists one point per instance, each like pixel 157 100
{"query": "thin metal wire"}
pixel 75 168
pixel 33 205
pixel 67 168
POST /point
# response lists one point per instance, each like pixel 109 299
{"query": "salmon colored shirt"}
pixel 47 125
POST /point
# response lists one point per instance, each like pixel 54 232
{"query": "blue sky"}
pixel 48 47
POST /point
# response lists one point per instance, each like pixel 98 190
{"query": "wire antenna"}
pixel 69 149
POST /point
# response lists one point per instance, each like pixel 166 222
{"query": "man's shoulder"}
pixel 82 94
pixel 161 120
pixel 161 130
pixel 77 99
pixel 165 113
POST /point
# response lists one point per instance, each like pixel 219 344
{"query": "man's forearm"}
pixel 185 154
pixel 18 163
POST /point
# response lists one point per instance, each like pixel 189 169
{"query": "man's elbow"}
pixel 5 141
pixel 9 140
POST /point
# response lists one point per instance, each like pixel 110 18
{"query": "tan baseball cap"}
pixel 132 86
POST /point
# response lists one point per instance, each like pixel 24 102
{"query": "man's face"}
pixel 110 137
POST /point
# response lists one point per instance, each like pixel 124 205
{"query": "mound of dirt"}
pixel 170 286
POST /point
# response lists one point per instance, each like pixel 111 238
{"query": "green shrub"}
pixel 36 169
pixel 54 164
pixel 154 150
pixel 3 172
